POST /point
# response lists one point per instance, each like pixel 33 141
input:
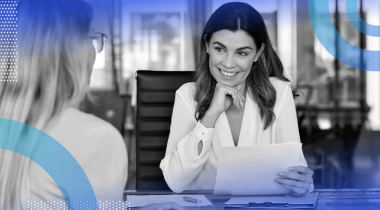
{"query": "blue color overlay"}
pixel 352 10
pixel 51 156
pixel 347 53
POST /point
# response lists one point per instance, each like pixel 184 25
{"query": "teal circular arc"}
pixel 325 31
pixel 357 20
pixel 54 158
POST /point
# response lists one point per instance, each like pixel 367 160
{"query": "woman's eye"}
pixel 242 53
pixel 219 49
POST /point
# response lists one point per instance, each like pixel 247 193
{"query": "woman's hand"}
pixel 298 179
pixel 162 206
pixel 224 97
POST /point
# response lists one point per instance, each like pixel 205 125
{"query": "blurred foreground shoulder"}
pixel 99 131
pixel 103 156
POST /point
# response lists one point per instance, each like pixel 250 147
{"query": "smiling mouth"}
pixel 228 74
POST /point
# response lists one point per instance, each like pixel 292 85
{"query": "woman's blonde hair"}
pixel 52 74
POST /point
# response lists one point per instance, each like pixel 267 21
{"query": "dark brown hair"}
pixel 236 16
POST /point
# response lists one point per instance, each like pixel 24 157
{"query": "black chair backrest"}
pixel 155 100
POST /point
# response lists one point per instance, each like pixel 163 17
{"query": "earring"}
pixel 207 51
pixel 255 60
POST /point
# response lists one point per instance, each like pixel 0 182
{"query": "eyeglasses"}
pixel 98 40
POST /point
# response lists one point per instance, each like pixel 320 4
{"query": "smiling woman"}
pixel 241 97
pixel 232 55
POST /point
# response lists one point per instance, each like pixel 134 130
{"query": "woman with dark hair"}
pixel 240 97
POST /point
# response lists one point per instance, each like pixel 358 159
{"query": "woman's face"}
pixel 91 56
pixel 91 53
pixel 231 55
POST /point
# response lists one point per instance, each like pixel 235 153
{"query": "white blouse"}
pixel 183 169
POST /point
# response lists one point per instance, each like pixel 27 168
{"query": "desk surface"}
pixel 328 199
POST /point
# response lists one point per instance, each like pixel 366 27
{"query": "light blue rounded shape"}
pixel 357 20
pixel 325 31
pixel 52 157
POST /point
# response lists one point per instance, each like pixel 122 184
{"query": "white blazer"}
pixel 183 169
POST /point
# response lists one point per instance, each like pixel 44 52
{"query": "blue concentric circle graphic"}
pixel 55 159
pixel 370 30
pixel 346 50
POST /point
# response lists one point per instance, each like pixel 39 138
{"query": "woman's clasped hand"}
pixel 224 96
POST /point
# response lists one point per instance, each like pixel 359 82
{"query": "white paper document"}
pixel 252 170
pixel 143 200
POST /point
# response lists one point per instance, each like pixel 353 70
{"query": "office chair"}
pixel 155 100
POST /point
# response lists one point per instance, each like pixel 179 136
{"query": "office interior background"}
pixel 338 108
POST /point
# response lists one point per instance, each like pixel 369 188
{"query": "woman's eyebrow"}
pixel 240 48
pixel 219 44
pixel 243 48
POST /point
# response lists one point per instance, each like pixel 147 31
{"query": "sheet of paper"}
pixel 143 200
pixel 252 170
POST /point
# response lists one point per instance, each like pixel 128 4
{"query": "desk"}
pixel 328 199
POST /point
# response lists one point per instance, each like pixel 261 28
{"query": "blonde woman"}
pixel 55 56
